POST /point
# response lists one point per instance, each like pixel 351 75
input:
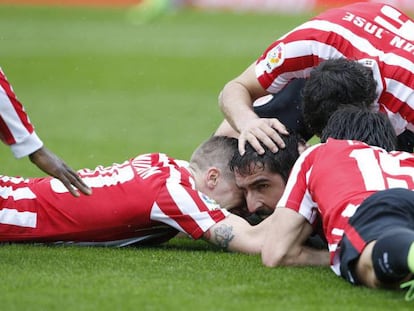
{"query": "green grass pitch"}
pixel 100 90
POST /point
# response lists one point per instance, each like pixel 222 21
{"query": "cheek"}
pixel 231 197
pixel 273 196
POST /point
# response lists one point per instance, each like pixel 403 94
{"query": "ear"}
pixel 212 177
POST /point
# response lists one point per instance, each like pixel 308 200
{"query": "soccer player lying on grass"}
pixel 147 199
pixel 263 177
pixel 364 196
pixel 376 35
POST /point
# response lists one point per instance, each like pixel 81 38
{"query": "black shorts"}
pixel 286 106
pixel 405 141
pixel 387 209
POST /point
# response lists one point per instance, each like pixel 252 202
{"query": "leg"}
pixel 389 260
pixel 364 269
pixel 379 249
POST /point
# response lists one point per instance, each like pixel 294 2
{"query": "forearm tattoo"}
pixel 223 235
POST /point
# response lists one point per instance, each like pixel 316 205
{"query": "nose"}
pixel 253 203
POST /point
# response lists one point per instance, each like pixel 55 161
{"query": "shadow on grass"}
pixel 176 244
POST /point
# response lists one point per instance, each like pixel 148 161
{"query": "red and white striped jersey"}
pixel 377 35
pixel 15 127
pixel 149 197
pixel 332 180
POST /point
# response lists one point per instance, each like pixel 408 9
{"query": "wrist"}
pixel 26 147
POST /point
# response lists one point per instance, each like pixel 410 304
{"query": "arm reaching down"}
pixel 284 242
pixel 51 164
pixel 236 102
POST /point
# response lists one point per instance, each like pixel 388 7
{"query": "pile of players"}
pixel 345 76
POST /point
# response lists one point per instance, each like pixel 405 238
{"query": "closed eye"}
pixel 262 187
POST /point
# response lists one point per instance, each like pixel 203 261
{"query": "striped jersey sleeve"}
pixel 377 35
pixel 16 129
pixel 297 195
pixel 182 207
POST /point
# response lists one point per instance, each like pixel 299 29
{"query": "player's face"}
pixel 262 190
pixel 228 195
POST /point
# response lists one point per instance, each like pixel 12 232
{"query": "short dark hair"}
pixel 372 128
pixel 332 84
pixel 280 162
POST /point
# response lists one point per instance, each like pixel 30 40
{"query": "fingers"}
pixel 73 182
pixel 77 182
pixel 51 164
pixel 255 143
pixel 265 131
pixel 69 186
pixel 242 145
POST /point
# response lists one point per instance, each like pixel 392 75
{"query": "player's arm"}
pixel 284 242
pixel 15 121
pixel 237 97
pixel 51 164
pixel 236 102
pixel 236 234
pixel 225 129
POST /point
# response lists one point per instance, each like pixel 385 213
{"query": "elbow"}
pixel 220 100
pixel 267 262
pixel 231 87
pixel 273 259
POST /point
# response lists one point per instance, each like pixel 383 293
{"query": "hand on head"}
pixel 262 130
